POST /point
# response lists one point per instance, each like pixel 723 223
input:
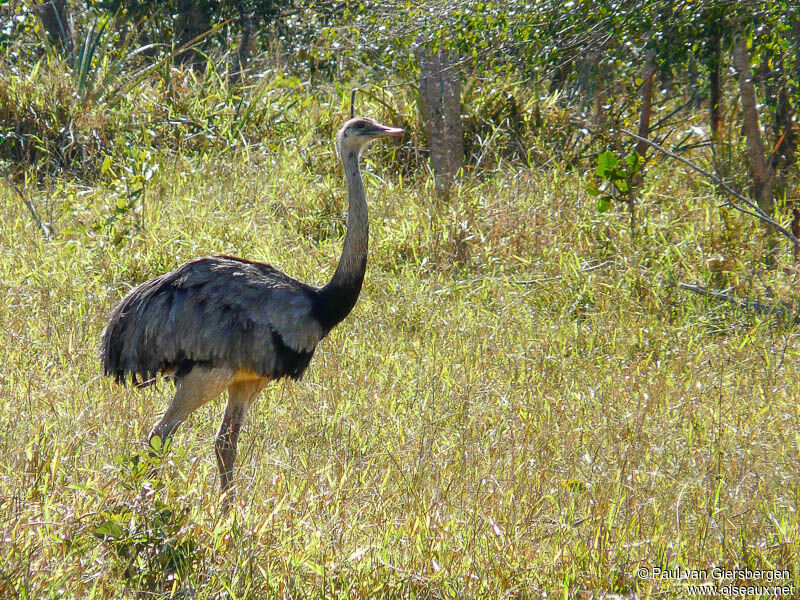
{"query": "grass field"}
pixel 522 405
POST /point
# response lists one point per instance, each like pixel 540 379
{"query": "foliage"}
pixel 617 179
pixel 150 541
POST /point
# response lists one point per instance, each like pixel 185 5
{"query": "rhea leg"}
pixel 240 396
pixel 195 389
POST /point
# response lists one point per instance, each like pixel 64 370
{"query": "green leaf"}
pixel 606 163
pixel 592 190
pixel 603 204
pixel 634 162
pixel 122 206
pixel 109 529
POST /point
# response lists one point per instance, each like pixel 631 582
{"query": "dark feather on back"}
pixel 214 311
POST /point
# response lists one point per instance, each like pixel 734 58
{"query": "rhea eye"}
pixel 359 126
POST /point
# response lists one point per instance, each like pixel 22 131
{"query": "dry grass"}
pixel 493 420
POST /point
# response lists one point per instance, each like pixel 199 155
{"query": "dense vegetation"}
pixel 525 402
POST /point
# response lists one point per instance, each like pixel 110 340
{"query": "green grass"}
pixel 493 420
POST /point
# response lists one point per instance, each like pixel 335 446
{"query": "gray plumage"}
pixel 212 311
pixel 221 322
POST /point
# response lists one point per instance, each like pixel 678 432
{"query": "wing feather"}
pixel 219 310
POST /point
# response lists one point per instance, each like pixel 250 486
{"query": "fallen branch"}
pixel 46 229
pixel 755 209
pixel 786 310
pixel 586 269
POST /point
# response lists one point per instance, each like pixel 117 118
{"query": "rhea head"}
pixel 356 133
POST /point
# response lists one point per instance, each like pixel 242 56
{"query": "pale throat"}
pixel 354 253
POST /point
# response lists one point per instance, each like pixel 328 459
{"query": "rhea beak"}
pixel 383 131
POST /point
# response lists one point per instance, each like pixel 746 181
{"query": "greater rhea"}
pixel 223 323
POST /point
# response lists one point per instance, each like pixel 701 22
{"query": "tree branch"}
pixel 754 207
pixel 46 229
pixel 586 269
pixel 757 307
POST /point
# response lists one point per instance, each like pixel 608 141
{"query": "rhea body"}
pixel 223 323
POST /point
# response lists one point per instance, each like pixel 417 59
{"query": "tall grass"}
pixel 523 403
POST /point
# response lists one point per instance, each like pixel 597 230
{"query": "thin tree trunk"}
pixel 57 23
pixel 560 74
pixel 192 20
pixel 440 108
pixel 431 110
pixel 782 158
pixel 648 81
pixel 649 77
pixel 761 172
pixel 784 117
pixel 246 41
pixel 451 100
pixel 715 109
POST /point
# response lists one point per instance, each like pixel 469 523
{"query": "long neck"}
pixel 339 296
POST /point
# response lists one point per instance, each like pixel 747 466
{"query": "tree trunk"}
pixel 192 21
pixel 789 143
pixel 453 130
pixel 649 77
pixel 440 107
pixel 783 124
pixel 760 170
pixel 57 23
pixel 782 157
pixel 715 108
pixel 246 41
pixel 560 74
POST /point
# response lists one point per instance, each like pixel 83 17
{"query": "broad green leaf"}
pixel 634 162
pixel 109 529
pixel 606 163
